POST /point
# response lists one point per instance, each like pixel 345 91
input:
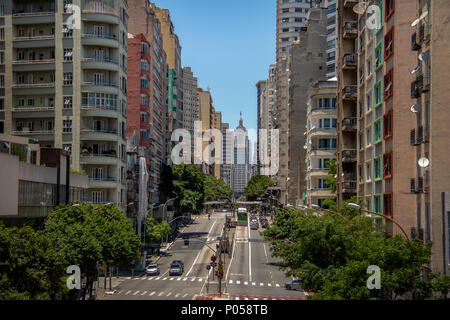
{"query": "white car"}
pixel 293 285
pixel 152 270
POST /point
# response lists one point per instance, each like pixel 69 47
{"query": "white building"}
pixel 241 159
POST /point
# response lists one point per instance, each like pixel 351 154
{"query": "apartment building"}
pixel 430 131
pixel 331 7
pixel 347 91
pixel 241 159
pixel 172 47
pixel 261 116
pixel 307 63
pixel 2 67
pixel 321 140
pixel 67 87
pixel 190 102
pixel 226 172
pixel 145 112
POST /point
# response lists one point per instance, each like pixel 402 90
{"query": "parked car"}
pixel 293 285
pixel 254 226
pixel 181 263
pixel 175 269
pixel 152 270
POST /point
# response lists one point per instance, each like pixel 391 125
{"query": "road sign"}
pixel 213 264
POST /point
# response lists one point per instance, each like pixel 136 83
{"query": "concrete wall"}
pixel 9 184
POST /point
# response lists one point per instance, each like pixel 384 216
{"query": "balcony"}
pixel 34 41
pixel 103 182
pixel 106 158
pixel 322 132
pixel 34 85
pixel 317 172
pixel 349 92
pixel 349 186
pixel 414 43
pixel 100 39
pixel 33 62
pixel 350 61
pixel 41 135
pixel 417 87
pixel 100 11
pixel 349 155
pixel 350 30
pixel 98 135
pixel 349 124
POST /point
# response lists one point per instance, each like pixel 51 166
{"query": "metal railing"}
pixel 33 85
pixel 350 59
pixel 101 35
pixel 27 38
pixel 23 132
pixel 31 109
pixel 33 61
pixel 98 83
pixel 98 131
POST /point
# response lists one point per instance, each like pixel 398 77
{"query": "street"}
pixel 251 275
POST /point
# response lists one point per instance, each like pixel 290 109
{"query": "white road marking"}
pixel 200 251
pixel 255 299
pixel 269 284
pixel 169 294
pixel 178 279
pixel 136 293
pixel 165 278
pixel 158 278
pixel 184 279
pixel 128 292
pixel 236 298
pixel 143 293
pixel 249 252
pixel 253 284
pixel 193 279
pixel 231 261
pixel 246 298
pixel 246 283
pixel 160 294
pixel 231 281
pixel 129 278
pixel 238 282
pixel 176 296
pixel 120 292
pixel 152 293
pixel 277 285
pixel 170 279
pixel 200 280
pixel 185 295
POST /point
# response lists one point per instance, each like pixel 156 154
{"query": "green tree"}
pixel 216 189
pixel 332 171
pixel 155 231
pixel 189 187
pixel 257 186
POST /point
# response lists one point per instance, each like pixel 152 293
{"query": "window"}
pixel 377 131
pixel 387 125
pixel 377 203
pixel 377 168
pixel 2 103
pixel 2 80
pixel 68 102
pixel 381 5
pixel 389 9
pixel 388 204
pixel 2 10
pixel 97 197
pixel 2 34
pixel 144 83
pixel 387 165
pixel 378 93
pixel 388 85
pixel 2 57
pixel 368 172
pixel 286 10
pixel 145 65
pixel 389 44
pixel 67 78
pixel 378 56
pixel 68 54
pixel 144 100
pixel 67 125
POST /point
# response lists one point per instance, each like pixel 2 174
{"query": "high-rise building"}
pixel 190 102
pixel 262 116
pixel 307 64
pixel 430 179
pixel 67 87
pixel 149 89
pixel 2 68
pixel 172 48
pixel 331 7
pixel 241 159
pixel 226 173
pixel 321 130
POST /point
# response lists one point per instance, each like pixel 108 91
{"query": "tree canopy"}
pixel 155 231
pixel 257 186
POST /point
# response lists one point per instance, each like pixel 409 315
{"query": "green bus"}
pixel 242 214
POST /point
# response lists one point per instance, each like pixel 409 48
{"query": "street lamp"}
pixel 358 207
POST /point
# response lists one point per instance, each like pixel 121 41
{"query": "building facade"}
pixel 241 159
pixel 67 87
pixel 321 132
pixel 190 102
pixel 307 63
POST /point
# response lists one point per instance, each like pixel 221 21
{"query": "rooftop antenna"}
pixel 208 88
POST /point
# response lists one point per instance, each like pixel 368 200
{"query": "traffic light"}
pixel 213 258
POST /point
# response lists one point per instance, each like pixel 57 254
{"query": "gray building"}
pixel 226 169
pixel 241 159
pixel 190 102
pixel 307 64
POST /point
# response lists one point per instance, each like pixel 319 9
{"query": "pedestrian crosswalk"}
pixel 205 279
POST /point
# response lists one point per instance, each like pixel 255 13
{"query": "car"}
pixel 264 225
pixel 293 285
pixel 175 269
pixel 181 263
pixel 152 270
pixel 254 226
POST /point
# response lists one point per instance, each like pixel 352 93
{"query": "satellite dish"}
pixel 305 147
pixel 415 23
pixel 360 8
pixel 424 162
pixel 424 56
pixel 416 108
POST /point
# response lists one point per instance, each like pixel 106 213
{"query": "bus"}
pixel 242 214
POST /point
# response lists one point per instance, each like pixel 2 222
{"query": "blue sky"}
pixel 229 45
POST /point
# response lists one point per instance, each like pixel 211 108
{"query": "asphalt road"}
pixel 251 275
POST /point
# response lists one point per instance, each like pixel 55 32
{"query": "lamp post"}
pixel 164 213
pixel 317 208
pixel 358 207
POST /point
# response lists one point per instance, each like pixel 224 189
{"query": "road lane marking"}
pixel 143 293
pixel 185 295
pixel 170 279
pixel 120 292
pixel 261 284
pixel 178 279
pixel 246 298
pixel 193 279
pixel 269 284
pixel 176 296
pixel 160 294
pixel 152 293
pixel 246 283
pixel 136 293
pixel 232 256
pixel 238 282
pixel 169 294
pixel 200 251
pixel 184 279
pixel 253 284
pixel 277 285
pixel 129 278
pixel 236 298
pixel 128 292
pixel 158 278
pixel 249 252
pixel 165 278
pixel 200 280
pixel 231 281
